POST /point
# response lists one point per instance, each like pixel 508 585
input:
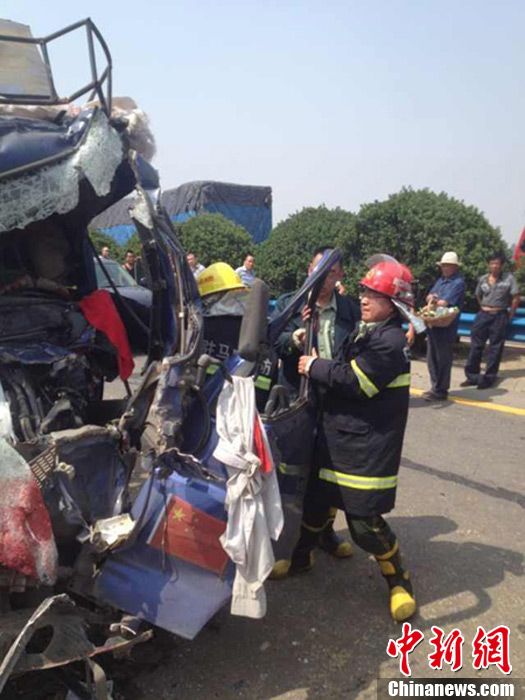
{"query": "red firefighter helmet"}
pixel 389 277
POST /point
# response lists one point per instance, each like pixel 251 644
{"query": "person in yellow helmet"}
pixel 224 303
pixel 219 277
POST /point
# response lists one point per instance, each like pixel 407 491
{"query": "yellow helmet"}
pixel 218 277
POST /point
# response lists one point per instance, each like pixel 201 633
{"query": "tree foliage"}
pixel 415 226
pixel 213 238
pixel 418 226
pixel 133 244
pixel 101 239
pixel 282 260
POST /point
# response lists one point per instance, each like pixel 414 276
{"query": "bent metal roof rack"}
pixel 18 49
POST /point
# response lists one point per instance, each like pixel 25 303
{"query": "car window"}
pixel 120 277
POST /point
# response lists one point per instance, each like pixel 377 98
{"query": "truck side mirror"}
pixel 253 341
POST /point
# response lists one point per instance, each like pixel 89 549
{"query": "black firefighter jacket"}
pixel 347 315
pixel 364 415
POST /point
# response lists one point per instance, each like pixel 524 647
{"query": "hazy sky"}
pixel 338 103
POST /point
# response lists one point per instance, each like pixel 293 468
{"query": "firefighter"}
pixel 218 279
pixel 361 431
pixel 224 302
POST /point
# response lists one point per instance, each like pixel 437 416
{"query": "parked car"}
pixel 132 300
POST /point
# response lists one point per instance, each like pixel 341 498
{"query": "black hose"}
pixel 31 397
pixel 309 338
pixel 207 420
pixel 21 409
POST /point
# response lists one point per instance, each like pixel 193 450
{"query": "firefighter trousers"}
pixel 370 532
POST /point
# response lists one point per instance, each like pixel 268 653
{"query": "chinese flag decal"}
pixel 189 533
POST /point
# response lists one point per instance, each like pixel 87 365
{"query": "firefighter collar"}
pixel 365 328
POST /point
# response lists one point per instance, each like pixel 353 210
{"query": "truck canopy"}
pixel 246 205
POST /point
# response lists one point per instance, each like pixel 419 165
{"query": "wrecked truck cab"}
pixel 113 512
pixel 66 453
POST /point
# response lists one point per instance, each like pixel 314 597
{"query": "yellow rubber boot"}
pixel 343 550
pixel 280 570
pixel 402 604
pixel 283 568
pixel 335 545
pixel 402 600
pixel 303 555
pixel 331 542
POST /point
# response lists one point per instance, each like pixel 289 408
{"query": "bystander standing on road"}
pixel 448 290
pixel 496 291
pixel 129 262
pixel 104 252
pixel 335 317
pixel 195 266
pixel 246 272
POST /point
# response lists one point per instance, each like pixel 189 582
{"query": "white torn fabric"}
pixel 138 129
pixel 6 422
pixel 253 501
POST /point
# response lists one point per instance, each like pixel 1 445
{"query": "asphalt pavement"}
pixel 508 392
pixel 460 521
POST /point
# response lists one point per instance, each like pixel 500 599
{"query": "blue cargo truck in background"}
pixel 246 205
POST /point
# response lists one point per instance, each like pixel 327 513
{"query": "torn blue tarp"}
pixel 44 167
pixel 27 142
pixel 246 205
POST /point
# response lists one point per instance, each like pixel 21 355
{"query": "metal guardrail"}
pixel 515 330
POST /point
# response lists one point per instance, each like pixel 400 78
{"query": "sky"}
pixel 335 103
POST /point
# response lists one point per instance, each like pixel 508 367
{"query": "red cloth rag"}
pixel 101 312
pixel 260 448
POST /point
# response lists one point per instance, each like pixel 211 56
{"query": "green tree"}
pixel 282 260
pixel 418 226
pixel 214 238
pixel 133 244
pixel 100 239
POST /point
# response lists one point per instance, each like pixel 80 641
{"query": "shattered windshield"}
pixel 119 276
